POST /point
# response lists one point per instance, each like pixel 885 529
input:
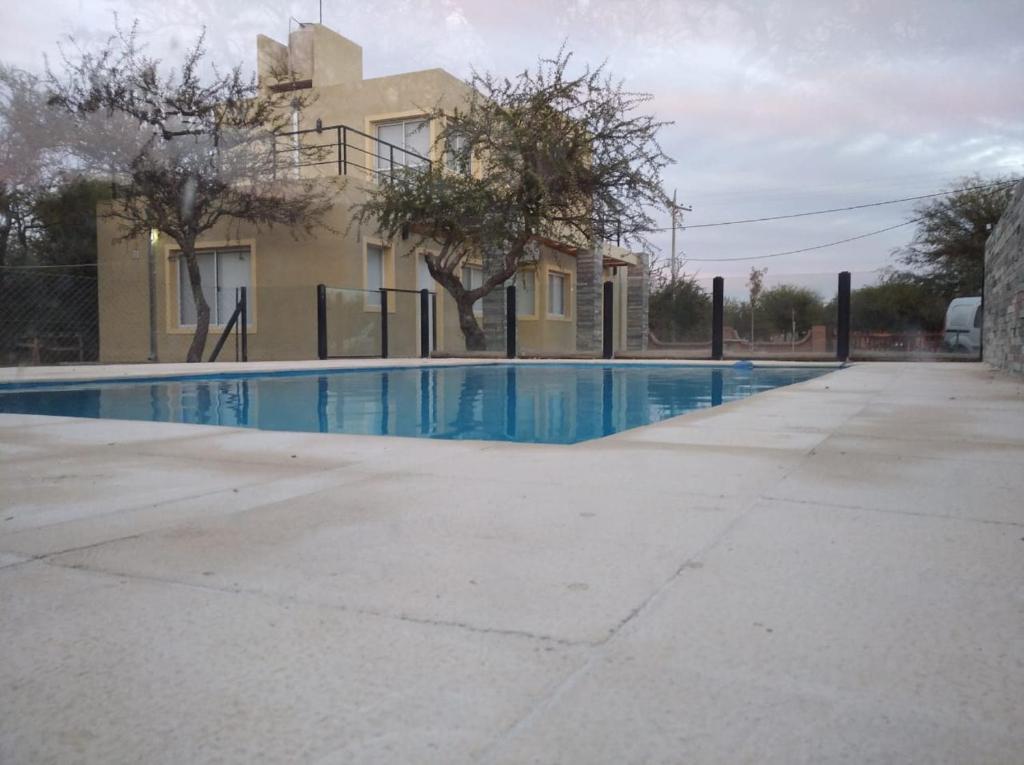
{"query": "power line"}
pixel 998 184
pixel 806 249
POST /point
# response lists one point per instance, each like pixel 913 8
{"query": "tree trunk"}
pixel 195 350
pixel 475 339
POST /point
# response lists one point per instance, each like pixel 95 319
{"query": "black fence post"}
pixel 321 321
pixel 243 304
pixel 424 323
pixel 717 318
pixel 843 318
pixel 383 323
pixel 433 324
pixel 510 321
pixel 609 324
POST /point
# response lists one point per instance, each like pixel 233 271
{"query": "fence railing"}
pixel 867 315
pixel 359 323
pixel 342 150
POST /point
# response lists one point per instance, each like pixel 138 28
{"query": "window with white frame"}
pixel 473 277
pixel 526 293
pixel 374 274
pixel 405 143
pixel 221 273
pixel 557 284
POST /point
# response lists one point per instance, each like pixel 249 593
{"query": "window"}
pixel 296 144
pixel 556 294
pixel 526 293
pixel 457 157
pixel 411 142
pixel 374 274
pixel 473 277
pixel 221 272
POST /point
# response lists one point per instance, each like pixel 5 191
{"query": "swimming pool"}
pixel 531 403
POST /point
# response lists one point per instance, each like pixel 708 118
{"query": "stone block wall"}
pixel 493 323
pixel 1003 341
pixel 637 294
pixel 589 299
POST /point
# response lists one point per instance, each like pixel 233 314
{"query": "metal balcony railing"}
pixel 341 150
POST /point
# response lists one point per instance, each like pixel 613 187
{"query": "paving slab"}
pixel 48 489
pixel 80 531
pixel 555 560
pixel 924 483
pixel 809 634
pixel 114 670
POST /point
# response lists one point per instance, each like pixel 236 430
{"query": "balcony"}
pixel 333 150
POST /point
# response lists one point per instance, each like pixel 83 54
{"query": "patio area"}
pixel 827 572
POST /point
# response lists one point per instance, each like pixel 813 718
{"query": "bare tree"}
pixel 29 154
pixel 557 157
pixel 185 152
pixel 755 283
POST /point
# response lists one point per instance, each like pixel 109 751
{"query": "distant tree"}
pixel 557 157
pixel 63 227
pixel 900 302
pixel 781 305
pixel 184 153
pixel 736 313
pixel 680 311
pixel 755 284
pixel 948 247
pixel 30 141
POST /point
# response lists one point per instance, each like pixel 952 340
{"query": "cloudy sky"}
pixel 778 106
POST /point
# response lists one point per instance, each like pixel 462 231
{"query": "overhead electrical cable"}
pixel 804 249
pixel 994 186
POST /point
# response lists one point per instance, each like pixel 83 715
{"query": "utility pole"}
pixel 675 210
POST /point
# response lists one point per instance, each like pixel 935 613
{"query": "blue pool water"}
pixel 533 403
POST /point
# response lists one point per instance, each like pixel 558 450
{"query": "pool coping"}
pixel 11 377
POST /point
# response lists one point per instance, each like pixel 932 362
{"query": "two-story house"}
pixel 367 127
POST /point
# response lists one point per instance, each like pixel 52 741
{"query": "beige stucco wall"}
pixel 282 298
pixel 544 333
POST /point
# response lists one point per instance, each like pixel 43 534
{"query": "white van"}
pixel 963 325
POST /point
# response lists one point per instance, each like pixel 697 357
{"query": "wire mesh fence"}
pixel 48 317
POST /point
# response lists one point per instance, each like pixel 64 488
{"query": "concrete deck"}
pixel 830 572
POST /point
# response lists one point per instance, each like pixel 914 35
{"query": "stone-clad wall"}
pixel 589 299
pixel 1004 289
pixel 638 292
pixel 494 304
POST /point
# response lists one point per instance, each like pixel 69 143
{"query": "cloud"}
pixel 778 107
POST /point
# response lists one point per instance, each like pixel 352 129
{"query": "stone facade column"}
pixel 1003 325
pixel 637 294
pixel 494 304
pixel 589 297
